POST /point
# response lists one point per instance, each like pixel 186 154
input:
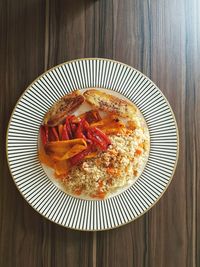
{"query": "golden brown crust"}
pixel 63 107
pixel 110 103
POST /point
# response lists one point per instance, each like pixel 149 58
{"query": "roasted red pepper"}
pixel 92 116
pixel 68 127
pixel 98 115
pixel 60 131
pixel 80 156
pixel 72 118
pixel 73 128
pixel 81 129
pixel 55 133
pixel 85 124
pixel 79 132
pixel 73 121
pixel 51 135
pixel 65 133
pixel 44 134
pixel 98 138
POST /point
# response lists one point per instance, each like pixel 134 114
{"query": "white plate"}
pixel 42 193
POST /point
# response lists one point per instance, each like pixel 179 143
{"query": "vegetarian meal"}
pixel 95 153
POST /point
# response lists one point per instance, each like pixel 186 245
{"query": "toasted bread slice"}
pixel 63 107
pixel 110 103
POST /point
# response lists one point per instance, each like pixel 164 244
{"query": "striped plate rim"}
pixel 42 194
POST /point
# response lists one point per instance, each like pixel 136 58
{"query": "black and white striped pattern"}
pixel 22 148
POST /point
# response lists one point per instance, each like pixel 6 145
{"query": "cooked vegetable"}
pixel 111 125
pixel 100 182
pixel 60 131
pixel 110 103
pixel 44 134
pixel 62 150
pixel 78 190
pixel 98 138
pixel 91 155
pixel 131 125
pixel 113 171
pixel 100 195
pixel 91 116
pixel 105 121
pixel 55 133
pixel 80 156
pixel 45 159
pixel 79 132
pixel 138 152
pixel 114 131
pixel 61 168
pixel 80 128
pixel 51 135
pixel 68 127
pixel 65 135
pixel 73 128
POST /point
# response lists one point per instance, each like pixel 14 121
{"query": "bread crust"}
pixel 63 107
pixel 110 103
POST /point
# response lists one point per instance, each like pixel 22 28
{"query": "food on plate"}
pixel 110 103
pixel 95 153
pixel 65 105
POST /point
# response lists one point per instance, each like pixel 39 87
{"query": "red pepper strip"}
pixel 99 143
pixel 52 136
pixel 44 134
pixel 71 117
pixel 92 116
pixel 64 133
pixel 47 133
pixel 101 134
pixel 80 156
pixel 98 115
pixel 68 127
pixel 85 124
pixel 60 130
pixel 73 127
pixel 98 138
pixel 54 131
pixel 79 131
pixel 73 120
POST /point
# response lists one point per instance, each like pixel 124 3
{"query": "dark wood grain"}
pixel 26 238
pixel 161 39
pixel 21 53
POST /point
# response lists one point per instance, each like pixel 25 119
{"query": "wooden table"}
pixel 161 38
